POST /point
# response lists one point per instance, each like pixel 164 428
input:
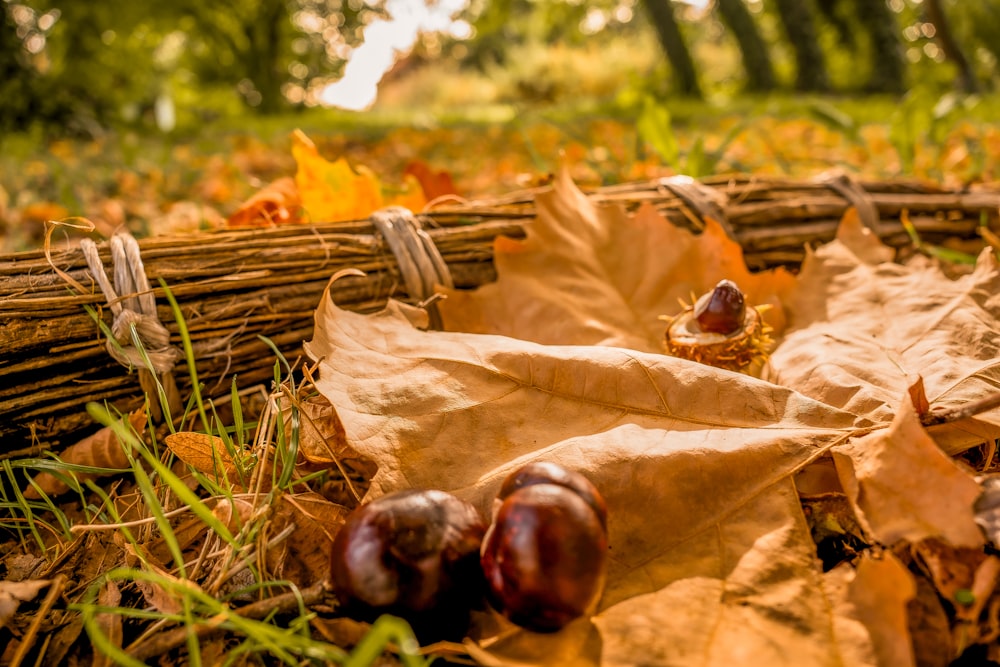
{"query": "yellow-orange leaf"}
pixel 332 191
pixel 277 203
pixel 205 453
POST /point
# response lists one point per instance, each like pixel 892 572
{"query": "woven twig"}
pixel 236 285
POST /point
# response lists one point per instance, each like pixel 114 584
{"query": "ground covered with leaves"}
pixel 834 506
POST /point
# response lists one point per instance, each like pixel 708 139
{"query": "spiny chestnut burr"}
pixel 722 310
pixel 414 554
pixel 720 330
pixel 545 555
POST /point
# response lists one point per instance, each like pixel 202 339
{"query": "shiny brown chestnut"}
pixel 547 472
pixel 722 310
pixel 413 554
pixel 545 555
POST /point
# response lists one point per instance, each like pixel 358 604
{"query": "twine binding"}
pixel 420 262
pixel 702 200
pixel 139 340
pixel 857 196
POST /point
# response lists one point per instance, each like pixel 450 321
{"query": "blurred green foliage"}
pixel 76 67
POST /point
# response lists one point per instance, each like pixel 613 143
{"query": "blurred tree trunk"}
pixel 14 73
pixel 264 37
pixel 797 18
pixel 661 12
pixel 888 73
pixel 756 59
pixel 949 45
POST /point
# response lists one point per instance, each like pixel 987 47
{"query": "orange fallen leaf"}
pixel 207 454
pixel 276 204
pixel 333 191
pixel 903 487
pixel 40 212
pixel 433 183
pixel 594 275
pixel 102 449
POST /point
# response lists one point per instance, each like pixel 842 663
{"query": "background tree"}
pixel 950 45
pixel 798 20
pixel 756 58
pixel 668 31
pixel 888 62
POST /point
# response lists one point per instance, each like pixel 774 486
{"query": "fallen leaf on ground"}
pixel 903 487
pixel 303 556
pixel 591 274
pixel 880 590
pixel 695 463
pixel 435 184
pixel 863 329
pixel 208 454
pixel 334 191
pixel 277 203
pixel 13 593
pixel 102 449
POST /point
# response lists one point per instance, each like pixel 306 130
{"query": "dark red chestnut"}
pixel 545 555
pixel 414 554
pixel 546 472
pixel 722 310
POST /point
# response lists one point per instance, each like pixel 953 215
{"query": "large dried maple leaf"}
pixel 589 274
pixel 864 329
pixel 712 560
pixel 696 464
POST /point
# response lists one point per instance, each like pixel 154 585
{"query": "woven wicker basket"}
pixel 236 286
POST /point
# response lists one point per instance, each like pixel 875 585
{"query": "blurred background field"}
pixel 164 118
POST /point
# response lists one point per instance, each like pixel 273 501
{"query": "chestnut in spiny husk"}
pixel 413 554
pixel 720 330
pixel 545 555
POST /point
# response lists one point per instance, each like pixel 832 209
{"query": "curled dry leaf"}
pixel 759 600
pixel 276 204
pixel 102 449
pixel 208 454
pixel 879 591
pixel 13 593
pixel 323 446
pixel 595 275
pixel 903 487
pixel 863 329
pixel 109 623
pixel 303 556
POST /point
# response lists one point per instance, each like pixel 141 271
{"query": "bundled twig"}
pixel 234 287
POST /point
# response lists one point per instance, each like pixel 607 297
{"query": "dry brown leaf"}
pixel 13 593
pixel 102 449
pixel 903 487
pixel 110 623
pixel 696 464
pixel 277 203
pixel 595 275
pixel 160 598
pixel 965 577
pixel 205 453
pixel 756 598
pixel 304 556
pixel 880 590
pixel 321 435
pixel 864 329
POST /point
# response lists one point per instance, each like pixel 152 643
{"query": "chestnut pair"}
pixel 428 557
